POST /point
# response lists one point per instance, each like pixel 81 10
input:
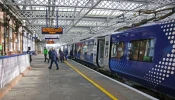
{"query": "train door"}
pixel 64 47
pixel 95 51
pixel 74 49
pixel 106 52
pixel 100 51
pixel 69 49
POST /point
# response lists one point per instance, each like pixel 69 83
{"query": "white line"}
pixel 140 92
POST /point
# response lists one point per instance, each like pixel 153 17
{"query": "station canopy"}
pixel 85 18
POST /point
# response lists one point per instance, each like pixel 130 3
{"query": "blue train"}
pixel 145 55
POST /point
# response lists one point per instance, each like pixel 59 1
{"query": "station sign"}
pixel 50 42
pixel 49 30
pixel 48 37
pixel 51 38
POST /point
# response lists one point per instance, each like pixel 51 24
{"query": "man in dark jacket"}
pixel 53 59
pixel 50 55
pixel 61 56
pixel 30 54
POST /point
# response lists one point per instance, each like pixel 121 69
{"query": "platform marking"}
pixel 140 92
pixel 98 86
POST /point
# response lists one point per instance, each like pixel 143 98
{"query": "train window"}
pixel 141 50
pixel 133 50
pixel 90 49
pixel 84 49
pixel 117 50
pixel 113 50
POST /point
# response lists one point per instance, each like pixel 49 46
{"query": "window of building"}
pixel 141 50
pixel 117 50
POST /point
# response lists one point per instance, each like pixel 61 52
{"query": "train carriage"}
pixel 145 55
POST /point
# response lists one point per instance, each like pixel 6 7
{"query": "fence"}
pixel 12 66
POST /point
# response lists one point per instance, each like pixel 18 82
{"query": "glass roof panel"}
pixel 40 2
pixel 18 1
pixel 152 6
pixel 27 8
pixel 104 13
pixel 78 30
pixel 117 13
pixel 118 5
pixel 37 8
pixel 20 7
pixel 90 23
pixel 42 9
pixel 100 15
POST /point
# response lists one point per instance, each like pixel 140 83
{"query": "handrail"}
pixel 9 56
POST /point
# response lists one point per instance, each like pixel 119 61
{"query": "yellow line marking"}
pixel 98 86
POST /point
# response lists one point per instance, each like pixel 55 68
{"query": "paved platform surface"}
pixel 40 83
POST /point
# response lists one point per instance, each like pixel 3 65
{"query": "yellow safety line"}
pixel 98 86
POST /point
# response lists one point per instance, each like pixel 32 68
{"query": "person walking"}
pixel 61 56
pixel 50 55
pixel 53 59
pixel 65 53
pixel 45 54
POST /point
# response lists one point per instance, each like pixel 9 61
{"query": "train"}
pixel 144 54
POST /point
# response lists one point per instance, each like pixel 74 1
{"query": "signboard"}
pixel 48 37
pixel 50 42
pixel 52 38
pixel 0 47
pixel 49 30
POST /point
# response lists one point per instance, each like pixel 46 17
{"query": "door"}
pixel 95 51
pixel 106 52
pixel 100 52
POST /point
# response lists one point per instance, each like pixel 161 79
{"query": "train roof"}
pixel 146 25
pixel 135 28
pixel 131 29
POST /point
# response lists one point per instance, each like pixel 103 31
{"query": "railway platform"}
pixel 71 82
